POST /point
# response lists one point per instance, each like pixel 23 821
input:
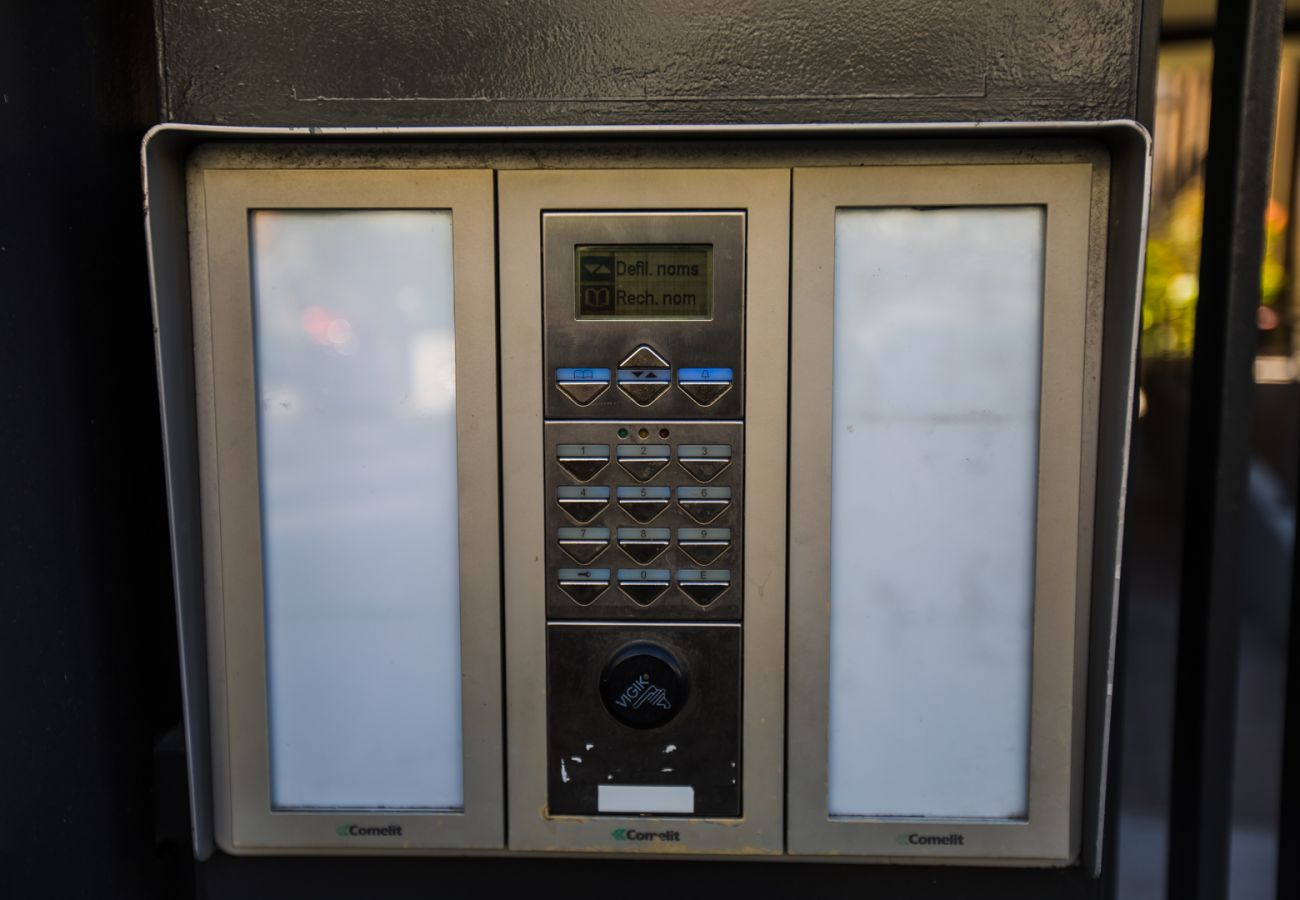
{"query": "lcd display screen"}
pixel 643 281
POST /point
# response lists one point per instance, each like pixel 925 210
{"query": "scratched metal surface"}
pixel 480 62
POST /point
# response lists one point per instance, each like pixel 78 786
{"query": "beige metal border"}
pixel 1068 421
pixel 224 374
pixel 764 194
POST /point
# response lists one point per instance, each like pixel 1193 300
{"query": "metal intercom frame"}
pixel 1117 237
pixel 523 197
pixel 1072 286
pixel 223 200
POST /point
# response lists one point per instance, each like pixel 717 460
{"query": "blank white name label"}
pixel 645 798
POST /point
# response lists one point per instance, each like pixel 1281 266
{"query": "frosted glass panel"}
pixel 938 320
pixel 357 434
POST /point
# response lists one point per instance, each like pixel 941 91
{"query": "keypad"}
pixel 644 376
pixel 655 504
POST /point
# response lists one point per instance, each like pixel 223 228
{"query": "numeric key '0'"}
pixel 643 585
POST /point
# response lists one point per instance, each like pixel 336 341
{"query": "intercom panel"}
pixel 634 589
pixel 644 316
pixel 631 508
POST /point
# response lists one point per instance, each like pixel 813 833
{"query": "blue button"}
pixel 660 375
pixel 582 375
pixel 722 375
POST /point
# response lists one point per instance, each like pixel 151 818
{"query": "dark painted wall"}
pixel 415 62
pixel 88 678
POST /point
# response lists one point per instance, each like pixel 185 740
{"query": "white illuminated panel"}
pixel 937 356
pixel 357 437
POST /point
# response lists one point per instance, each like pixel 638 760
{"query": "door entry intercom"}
pixel 662 674
pixel 649 498
pixel 745 497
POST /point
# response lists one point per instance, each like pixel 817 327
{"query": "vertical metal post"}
pixel 1288 826
pixel 1247 48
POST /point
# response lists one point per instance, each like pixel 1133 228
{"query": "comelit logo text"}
pixel 947 840
pixel 631 834
pixel 369 831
